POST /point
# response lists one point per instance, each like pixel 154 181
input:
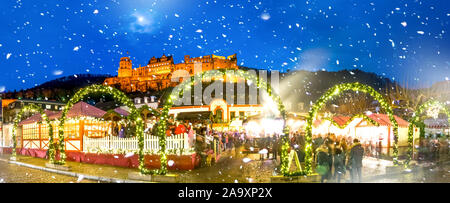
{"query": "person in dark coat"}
pixel 339 163
pixel 275 143
pixel 355 160
pixel 323 162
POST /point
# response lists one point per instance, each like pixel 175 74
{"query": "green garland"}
pixel 417 121
pixel 187 84
pixel 119 97
pixel 364 116
pixel 34 108
pixel 331 93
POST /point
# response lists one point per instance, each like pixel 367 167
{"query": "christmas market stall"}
pixel 92 137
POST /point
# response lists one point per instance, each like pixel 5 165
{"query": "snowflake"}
pixel 265 16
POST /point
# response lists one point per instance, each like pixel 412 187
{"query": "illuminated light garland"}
pixel 329 94
pixel 186 85
pixel 33 109
pixel 118 96
pixel 431 108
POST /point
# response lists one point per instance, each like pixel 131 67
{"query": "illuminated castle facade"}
pixel 157 74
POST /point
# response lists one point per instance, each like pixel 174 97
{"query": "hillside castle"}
pixel 156 75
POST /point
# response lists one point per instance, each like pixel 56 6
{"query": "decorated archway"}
pixel 432 108
pixel 187 84
pixel 34 109
pixel 118 97
pixel 331 93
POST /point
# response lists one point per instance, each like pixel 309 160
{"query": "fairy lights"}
pixel 186 84
pixel 33 109
pixel 332 92
pixel 432 108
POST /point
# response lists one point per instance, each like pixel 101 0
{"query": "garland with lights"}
pixel 364 116
pixel 187 84
pixel 416 120
pixel 33 109
pixel 331 93
pixel 118 96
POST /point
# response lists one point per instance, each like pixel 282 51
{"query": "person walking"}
pixel 379 147
pixel 323 162
pixel 268 143
pixel 275 143
pixel 355 160
pixel 339 163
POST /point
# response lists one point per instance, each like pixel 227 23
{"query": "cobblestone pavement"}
pixel 436 173
pixel 11 173
pixel 233 168
pixel 82 168
pixel 230 168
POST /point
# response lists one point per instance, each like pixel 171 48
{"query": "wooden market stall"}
pixel 82 120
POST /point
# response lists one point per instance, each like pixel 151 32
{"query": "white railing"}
pixel 151 143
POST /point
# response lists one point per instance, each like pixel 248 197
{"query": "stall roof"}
pixel 383 120
pixel 37 117
pixel 121 111
pixel 340 120
pixel 77 110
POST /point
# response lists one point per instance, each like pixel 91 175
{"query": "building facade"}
pixel 157 74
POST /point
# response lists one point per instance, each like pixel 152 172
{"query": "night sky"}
pixel 402 40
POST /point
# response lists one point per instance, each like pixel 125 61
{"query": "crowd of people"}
pixel 432 148
pixel 333 156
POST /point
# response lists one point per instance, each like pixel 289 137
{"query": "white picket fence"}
pixel 129 144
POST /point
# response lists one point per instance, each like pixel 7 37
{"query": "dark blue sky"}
pixel 405 40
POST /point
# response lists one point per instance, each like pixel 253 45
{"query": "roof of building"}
pixel 383 120
pixel 37 117
pixel 5 102
pixel 341 120
pixel 80 109
pixel 121 111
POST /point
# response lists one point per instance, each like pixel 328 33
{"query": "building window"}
pixel 219 115
pixel 44 131
pixel 30 131
pixel 241 115
pixel 93 128
pixel 48 106
pixel 232 115
pixel 72 128
pixel 300 106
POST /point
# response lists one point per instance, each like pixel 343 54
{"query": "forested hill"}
pixel 306 86
pixel 299 86
pixel 59 89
